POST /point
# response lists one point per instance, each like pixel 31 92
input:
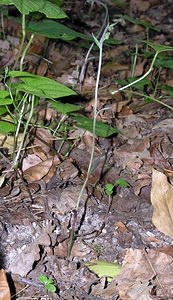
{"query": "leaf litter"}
pixel 38 207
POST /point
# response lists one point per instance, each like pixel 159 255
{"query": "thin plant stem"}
pixel 106 19
pixel 135 61
pixel 25 51
pixel 94 116
pixel 139 79
pixel 15 162
pixel 19 121
pixel 22 41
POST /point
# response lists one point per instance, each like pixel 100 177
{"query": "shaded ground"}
pixel 36 219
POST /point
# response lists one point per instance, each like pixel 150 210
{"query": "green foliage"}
pixel 102 129
pixel 48 283
pixel 104 268
pixel 51 10
pixel 145 24
pixel 55 30
pixel 110 187
pixel 40 86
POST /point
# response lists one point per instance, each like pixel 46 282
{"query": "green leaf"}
pixel 109 189
pixel 64 108
pixel 103 268
pixel 27 6
pixel 51 10
pixel 6 127
pixel 165 63
pixel 159 48
pixel 49 281
pixel 4 94
pixel 102 129
pixel 43 279
pixel 5 101
pixel 55 30
pixel 6 2
pixel 3 110
pixel 122 182
pixel 112 41
pixel 40 86
pixel 51 288
pixel 145 24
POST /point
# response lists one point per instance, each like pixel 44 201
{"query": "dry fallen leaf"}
pixel 44 169
pixel 4 288
pixel 162 201
pixel 138 275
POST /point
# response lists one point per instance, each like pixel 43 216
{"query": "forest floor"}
pixel 133 226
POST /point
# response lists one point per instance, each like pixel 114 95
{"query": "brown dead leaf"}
pixel 30 161
pixel 162 201
pixel 44 169
pixel 110 68
pixel 138 272
pixel 42 140
pixel 4 288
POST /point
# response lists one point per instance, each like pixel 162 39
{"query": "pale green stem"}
pixel 94 116
pixel 22 41
pixel 15 162
pixel 25 51
pixel 139 79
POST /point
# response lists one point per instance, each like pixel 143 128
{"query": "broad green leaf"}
pixel 103 268
pixel 5 101
pixel 3 110
pixel 4 94
pixel 159 48
pixel 102 129
pixel 41 86
pixel 21 74
pixel 51 10
pixel 122 182
pixel 55 30
pixel 6 2
pixel 165 63
pixel 6 127
pixel 64 108
pixel 27 6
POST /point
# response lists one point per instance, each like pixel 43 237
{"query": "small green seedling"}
pixel 48 283
pixel 109 188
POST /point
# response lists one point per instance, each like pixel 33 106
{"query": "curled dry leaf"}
pixel 162 201
pixel 44 169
